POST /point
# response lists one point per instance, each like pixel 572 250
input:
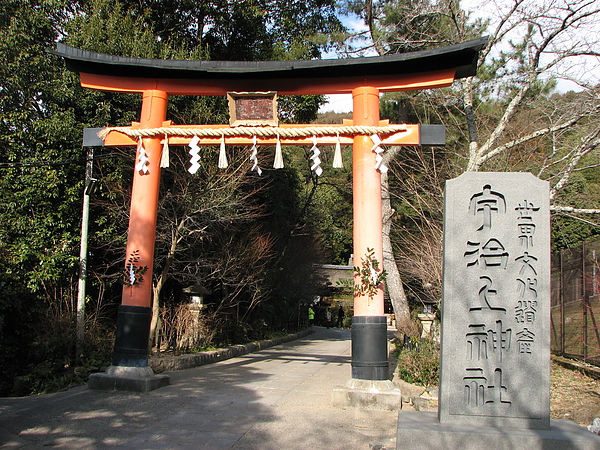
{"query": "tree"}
pixel 40 172
pixel 398 27
pixel 540 41
pixel 202 233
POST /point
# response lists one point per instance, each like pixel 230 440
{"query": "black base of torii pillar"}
pixel 369 348
pixel 129 370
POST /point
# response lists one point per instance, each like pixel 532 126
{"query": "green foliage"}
pixel 331 213
pixel 100 22
pixel 370 276
pixel 299 108
pixel 246 30
pixel 419 362
pixel 39 189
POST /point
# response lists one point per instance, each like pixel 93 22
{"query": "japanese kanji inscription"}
pixel 496 301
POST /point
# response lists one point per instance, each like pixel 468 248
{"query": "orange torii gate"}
pixel 364 78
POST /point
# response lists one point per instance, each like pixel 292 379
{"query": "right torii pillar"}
pixel 369 324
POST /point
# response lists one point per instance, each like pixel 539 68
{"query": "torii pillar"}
pixel 369 325
pixel 129 370
pixel 135 311
pixel 365 78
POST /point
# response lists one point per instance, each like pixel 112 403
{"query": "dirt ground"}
pixel 574 396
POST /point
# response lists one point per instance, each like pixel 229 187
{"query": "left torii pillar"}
pixel 130 370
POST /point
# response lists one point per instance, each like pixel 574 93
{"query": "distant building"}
pixel 335 273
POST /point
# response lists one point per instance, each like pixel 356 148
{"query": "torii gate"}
pixel 364 78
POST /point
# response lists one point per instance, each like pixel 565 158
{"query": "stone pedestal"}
pixel 421 430
pixel 368 394
pixel 426 322
pixel 122 378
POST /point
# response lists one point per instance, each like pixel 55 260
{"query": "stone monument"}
pixel 495 366
pixel 495 358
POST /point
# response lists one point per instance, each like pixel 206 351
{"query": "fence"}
pixel 575 300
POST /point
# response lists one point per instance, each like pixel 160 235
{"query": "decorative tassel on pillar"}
pixel 195 156
pixel 143 161
pixel 337 156
pixel 316 167
pixel 254 157
pixel 278 163
pixel 379 165
pixel 222 155
pixel 164 158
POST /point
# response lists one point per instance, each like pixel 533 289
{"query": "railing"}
pixel 575 301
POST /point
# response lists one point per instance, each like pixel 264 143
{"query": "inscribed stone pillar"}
pixel 495 366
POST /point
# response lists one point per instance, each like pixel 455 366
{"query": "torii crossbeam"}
pixel 364 78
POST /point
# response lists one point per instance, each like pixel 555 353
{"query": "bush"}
pixel 419 362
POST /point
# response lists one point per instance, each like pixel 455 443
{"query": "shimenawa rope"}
pixel 261 132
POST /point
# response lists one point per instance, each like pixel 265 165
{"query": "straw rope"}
pixel 261 132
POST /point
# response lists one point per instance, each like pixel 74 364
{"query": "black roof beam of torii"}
pixel 395 72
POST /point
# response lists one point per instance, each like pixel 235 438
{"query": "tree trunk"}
pixel 160 282
pixel 393 281
pixel 155 322
pixel 473 163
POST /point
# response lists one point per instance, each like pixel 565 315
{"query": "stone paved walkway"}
pixel 278 398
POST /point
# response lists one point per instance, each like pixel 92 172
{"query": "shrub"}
pixel 419 362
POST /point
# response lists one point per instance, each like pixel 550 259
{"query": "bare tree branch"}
pixel 557 208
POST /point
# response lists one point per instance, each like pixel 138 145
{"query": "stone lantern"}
pixel 427 316
pixel 195 295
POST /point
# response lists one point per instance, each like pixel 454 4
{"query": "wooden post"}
pixel 366 195
pixel 135 312
pixel 144 202
pixel 369 325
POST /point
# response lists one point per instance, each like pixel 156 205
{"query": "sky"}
pixel 342 103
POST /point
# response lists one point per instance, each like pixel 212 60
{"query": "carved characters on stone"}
pixel 496 267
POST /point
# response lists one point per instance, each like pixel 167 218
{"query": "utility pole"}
pixel 83 252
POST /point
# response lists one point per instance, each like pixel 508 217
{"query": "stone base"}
pixel 368 394
pixel 123 378
pixel 421 430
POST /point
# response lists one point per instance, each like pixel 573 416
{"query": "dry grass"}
pixel 574 396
